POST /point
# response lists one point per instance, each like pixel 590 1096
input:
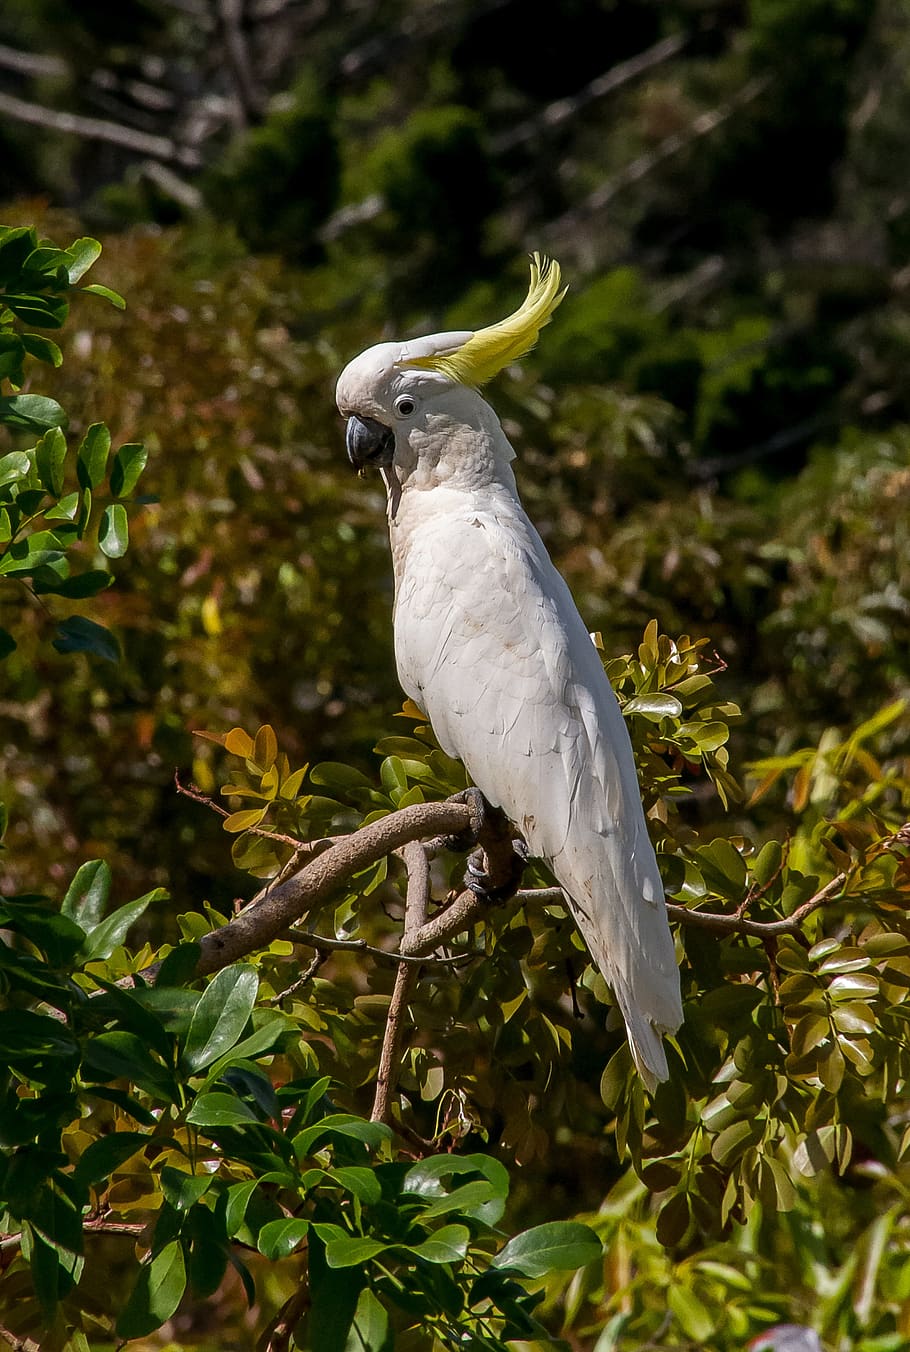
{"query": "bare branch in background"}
pixel 248 100
pixel 643 165
pixel 556 114
pixel 97 129
pixel 34 64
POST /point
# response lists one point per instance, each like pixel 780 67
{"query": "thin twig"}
pixel 278 1337
pixel 37 64
pixel 762 929
pixel 19 1344
pixel 643 165
pixel 306 976
pixel 416 907
pixel 554 115
pixel 301 847
pixel 326 945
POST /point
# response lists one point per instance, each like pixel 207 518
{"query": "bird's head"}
pixel 413 409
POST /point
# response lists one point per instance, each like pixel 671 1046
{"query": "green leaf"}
pixel 183 1190
pixel 734 1140
pixel 335 1296
pixel 370 1329
pixel 87 895
pixel 41 312
pixel 54 1272
pixel 121 1055
pixel 220 1110
pixel 42 348
pixel 654 707
pixel 114 531
pixel 14 466
pixel 76 588
pixel 27 1037
pixel 238 1199
pixel 12 355
pixel 79 635
pixel 209 1252
pixel 32 412
pixel 67 509
pixel 277 1239
pixel 179 967
pixel 50 455
pixel 344 1125
pixel 114 297
pixel 56 935
pixel 156 1295
pixel 767 863
pixel 362 1183
pixel 692 1316
pixel 104 937
pixel 546 1248
pixel 83 253
pixel 100 1159
pixel 94 450
pixel 470 1200
pixel 129 462
pixel 221 1015
pixel 450 1245
pixel 352 1251
pixel 723 867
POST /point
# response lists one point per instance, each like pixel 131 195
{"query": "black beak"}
pixel 369 443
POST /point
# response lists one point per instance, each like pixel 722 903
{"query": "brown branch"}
pixel 99 129
pixel 277 1337
pixel 762 929
pixel 101 1225
pixel 416 907
pixel 301 847
pixel 258 925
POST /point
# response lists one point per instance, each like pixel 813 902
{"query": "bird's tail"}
pixel 628 936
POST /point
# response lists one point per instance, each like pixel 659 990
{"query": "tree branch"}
pixel 98 129
pixel 416 906
pixel 643 165
pixel 258 925
pixel 563 110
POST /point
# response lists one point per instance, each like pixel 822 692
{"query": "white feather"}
pixel 490 644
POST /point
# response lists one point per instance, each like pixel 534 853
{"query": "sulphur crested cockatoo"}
pixel 490 645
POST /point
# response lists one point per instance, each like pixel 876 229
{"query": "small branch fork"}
pixel 494 875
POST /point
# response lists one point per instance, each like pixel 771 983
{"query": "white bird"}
pixel 489 643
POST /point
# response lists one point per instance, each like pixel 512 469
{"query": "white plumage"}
pixel 490 645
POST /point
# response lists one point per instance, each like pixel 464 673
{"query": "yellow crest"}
pixel 488 350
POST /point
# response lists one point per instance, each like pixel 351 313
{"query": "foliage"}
pixel 714 431
pixel 50 501
pixel 278 183
pixel 195 1117
pixel 232 1112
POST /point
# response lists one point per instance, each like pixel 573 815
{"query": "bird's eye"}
pixel 405 406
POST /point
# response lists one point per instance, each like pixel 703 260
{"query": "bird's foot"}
pixel 478 812
pixel 502 885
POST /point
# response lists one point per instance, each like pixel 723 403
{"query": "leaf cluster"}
pixel 49 499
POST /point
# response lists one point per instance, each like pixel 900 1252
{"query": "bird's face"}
pixel 381 401
pixel 414 425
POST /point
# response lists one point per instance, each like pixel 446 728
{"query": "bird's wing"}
pixel 489 642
